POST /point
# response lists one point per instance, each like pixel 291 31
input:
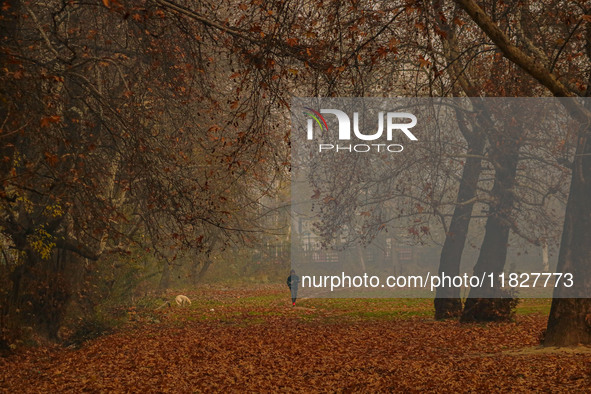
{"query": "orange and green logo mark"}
pixel 317 117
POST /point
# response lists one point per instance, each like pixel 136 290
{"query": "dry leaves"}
pixel 236 345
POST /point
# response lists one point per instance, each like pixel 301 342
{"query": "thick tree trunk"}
pixel 485 303
pixel 447 299
pixel 569 322
pixel 448 303
pixel 199 270
pixel 570 319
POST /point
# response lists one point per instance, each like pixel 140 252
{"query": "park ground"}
pixel 253 340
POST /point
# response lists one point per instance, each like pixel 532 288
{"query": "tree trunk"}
pixel 570 318
pixel 569 322
pixel 361 258
pixel 447 299
pixel 199 273
pixel 485 303
pixel 545 259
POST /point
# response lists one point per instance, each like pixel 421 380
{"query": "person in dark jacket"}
pixel 293 282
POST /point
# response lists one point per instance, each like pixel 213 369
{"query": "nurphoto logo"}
pixel 393 124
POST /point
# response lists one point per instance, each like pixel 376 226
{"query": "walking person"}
pixel 293 282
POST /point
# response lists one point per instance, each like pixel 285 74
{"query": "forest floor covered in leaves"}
pixel 253 340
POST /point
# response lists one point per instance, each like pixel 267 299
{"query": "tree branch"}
pixel 78 249
pixel 512 52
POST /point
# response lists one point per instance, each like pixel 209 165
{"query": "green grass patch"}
pixel 246 306
pixel 529 306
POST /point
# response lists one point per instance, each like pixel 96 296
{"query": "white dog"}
pixel 182 300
